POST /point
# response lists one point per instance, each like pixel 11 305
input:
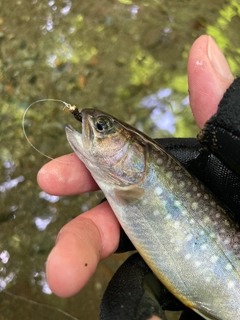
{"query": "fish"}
pixel 181 230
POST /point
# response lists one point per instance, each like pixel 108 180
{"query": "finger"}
pixel 209 76
pixel 66 175
pixel 80 245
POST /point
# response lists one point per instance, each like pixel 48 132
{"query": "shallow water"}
pixel 126 58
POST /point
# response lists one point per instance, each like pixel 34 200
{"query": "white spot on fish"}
pixel 228 267
pixel 217 215
pixel 195 188
pixel 189 183
pixel 226 222
pixel 159 161
pixel 177 203
pixel 203 247
pixel 176 224
pixel 208 279
pixel 187 256
pixel 197 263
pixel 184 212
pixel 189 237
pixel 214 259
pixel 198 194
pixel 206 219
pixel 158 191
pixel 194 205
pixel 182 184
pixel 206 196
pixel 213 203
pixel 168 217
pixel 231 284
pixel 227 241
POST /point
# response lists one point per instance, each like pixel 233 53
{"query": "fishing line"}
pixel 39 304
pixel 66 105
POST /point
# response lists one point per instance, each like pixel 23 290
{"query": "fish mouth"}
pixel 80 139
pixel 70 130
pixel 74 138
pixel 83 131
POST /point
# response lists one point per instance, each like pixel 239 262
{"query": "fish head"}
pixel 111 150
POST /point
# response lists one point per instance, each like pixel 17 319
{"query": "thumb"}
pixel 209 76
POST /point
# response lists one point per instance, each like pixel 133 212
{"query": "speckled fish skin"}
pixel 188 240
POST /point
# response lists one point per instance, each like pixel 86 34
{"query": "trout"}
pixel 190 242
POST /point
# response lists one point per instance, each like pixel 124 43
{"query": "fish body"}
pixel 186 237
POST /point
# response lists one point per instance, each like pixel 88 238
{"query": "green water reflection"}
pixel 126 58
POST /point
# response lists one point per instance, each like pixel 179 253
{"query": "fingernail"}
pixel 218 60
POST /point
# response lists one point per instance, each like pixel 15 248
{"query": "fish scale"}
pixel 180 229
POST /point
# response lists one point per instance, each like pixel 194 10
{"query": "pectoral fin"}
pixel 205 315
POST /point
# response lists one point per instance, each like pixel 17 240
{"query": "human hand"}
pixel 94 235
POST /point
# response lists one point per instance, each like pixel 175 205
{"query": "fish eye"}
pixel 103 124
